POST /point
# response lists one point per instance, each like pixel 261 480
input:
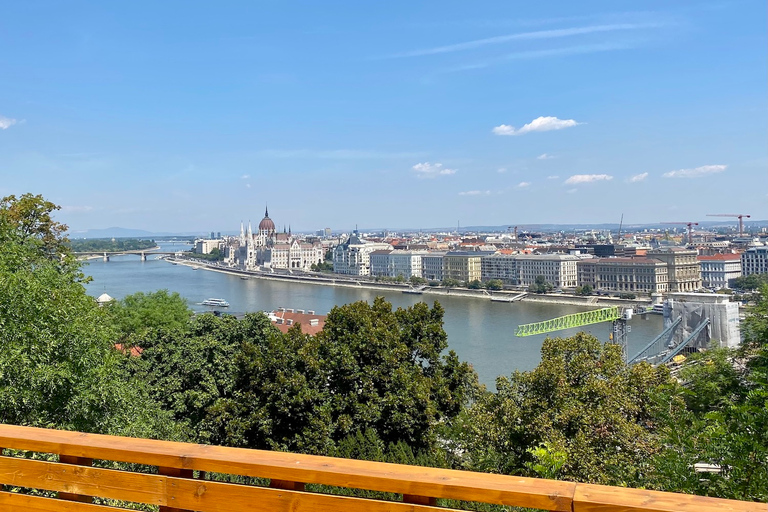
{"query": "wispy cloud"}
pixel 522 36
pixel 429 170
pixel 544 156
pixel 336 154
pixel 572 191
pixel 6 122
pixel 540 124
pixel 245 176
pixel 553 177
pixel 578 179
pixel 551 52
pixel 475 193
pixel 638 177
pixel 76 209
pixel 501 170
pixel 524 184
pixel 696 172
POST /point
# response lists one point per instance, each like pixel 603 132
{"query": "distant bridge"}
pixel 139 252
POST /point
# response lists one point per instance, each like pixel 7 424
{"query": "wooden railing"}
pixel 180 477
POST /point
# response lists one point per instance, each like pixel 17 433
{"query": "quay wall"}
pixel 350 282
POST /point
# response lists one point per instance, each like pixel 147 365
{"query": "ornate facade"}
pixel 267 249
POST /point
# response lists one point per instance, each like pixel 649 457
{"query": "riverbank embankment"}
pixel 346 282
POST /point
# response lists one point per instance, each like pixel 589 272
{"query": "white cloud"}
pixel 540 124
pixel 429 170
pixel 577 179
pixel 572 191
pixel 544 156
pixel 245 176
pixel 6 122
pixel 524 184
pixel 638 177
pixel 553 177
pixel 696 172
pixel 475 193
pixel 501 170
pixel 247 185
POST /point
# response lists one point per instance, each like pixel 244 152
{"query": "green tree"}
pixel 371 368
pixel 140 312
pixel 495 284
pixel 475 284
pixel 59 367
pixel 584 290
pixel 26 221
pixel 591 410
pixel 541 285
pixel 450 282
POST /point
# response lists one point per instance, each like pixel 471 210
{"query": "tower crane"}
pixel 690 229
pixel 740 216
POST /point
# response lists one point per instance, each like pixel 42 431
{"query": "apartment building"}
pixel 683 268
pixel 353 256
pixel 719 270
pixel 432 266
pixel 463 265
pixel 560 270
pixel 754 261
pixel 628 275
pixel 397 263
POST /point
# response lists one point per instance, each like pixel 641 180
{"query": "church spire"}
pixel 266 211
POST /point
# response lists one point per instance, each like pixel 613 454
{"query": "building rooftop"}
pixel 284 319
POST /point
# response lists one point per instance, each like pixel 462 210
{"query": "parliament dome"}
pixel 266 223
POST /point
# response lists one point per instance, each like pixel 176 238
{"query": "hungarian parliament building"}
pixel 267 249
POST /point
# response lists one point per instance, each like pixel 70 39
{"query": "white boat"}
pixel 217 303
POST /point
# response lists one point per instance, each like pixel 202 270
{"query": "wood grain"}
pixel 376 476
pixel 14 502
pixel 601 498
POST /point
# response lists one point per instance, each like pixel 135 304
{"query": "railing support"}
pixel 286 485
pixel 419 500
pixel 179 473
pixel 77 461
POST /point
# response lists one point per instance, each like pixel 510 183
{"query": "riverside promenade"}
pixel 364 283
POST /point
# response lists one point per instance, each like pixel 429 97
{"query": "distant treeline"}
pixel 111 244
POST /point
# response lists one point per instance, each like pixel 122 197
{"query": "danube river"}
pixel 480 331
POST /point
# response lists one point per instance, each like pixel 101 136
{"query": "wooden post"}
pixel 77 461
pixel 286 485
pixel 419 500
pixel 178 473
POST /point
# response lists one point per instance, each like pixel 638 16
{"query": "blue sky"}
pixel 178 116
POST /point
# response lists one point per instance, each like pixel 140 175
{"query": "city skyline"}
pixel 181 117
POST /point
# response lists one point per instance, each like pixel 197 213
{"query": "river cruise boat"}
pixel 217 303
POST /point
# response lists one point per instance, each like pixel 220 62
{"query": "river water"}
pixel 480 331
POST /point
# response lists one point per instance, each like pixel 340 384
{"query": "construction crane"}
pixel 740 216
pixel 690 229
pixel 613 314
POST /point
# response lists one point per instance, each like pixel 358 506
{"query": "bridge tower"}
pixel 106 257
pixel 143 256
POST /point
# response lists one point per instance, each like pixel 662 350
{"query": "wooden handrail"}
pixel 173 488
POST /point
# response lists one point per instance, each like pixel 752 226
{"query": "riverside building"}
pixel 683 269
pixel 719 270
pixel 627 275
pixel 754 261
pixel 353 256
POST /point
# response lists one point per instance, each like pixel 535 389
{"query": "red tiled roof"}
pixel 300 318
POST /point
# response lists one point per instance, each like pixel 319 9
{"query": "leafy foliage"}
pixel 541 285
pixel 581 401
